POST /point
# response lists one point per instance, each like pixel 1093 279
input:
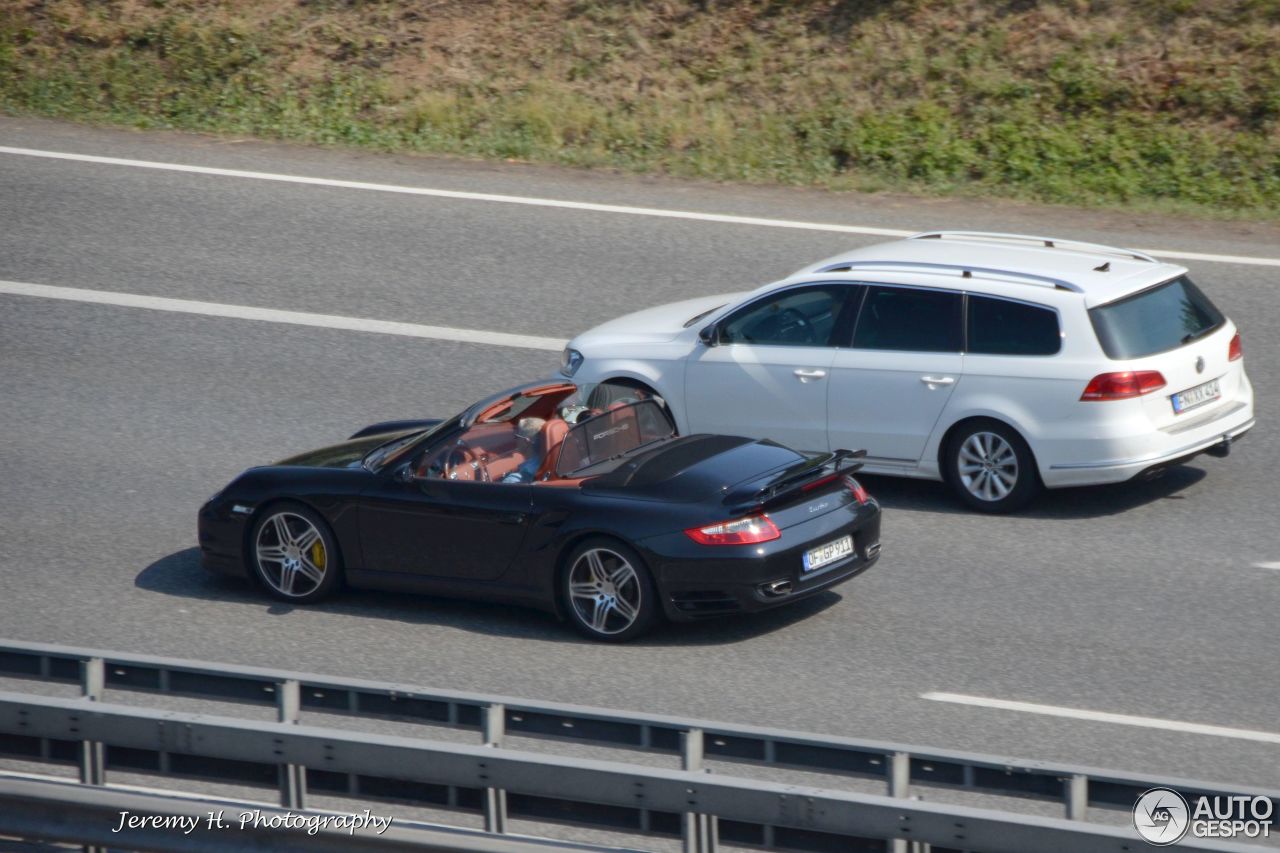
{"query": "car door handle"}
pixel 512 518
pixel 931 381
pixel 806 375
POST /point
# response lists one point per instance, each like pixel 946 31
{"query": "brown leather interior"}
pixel 498 451
pixel 551 440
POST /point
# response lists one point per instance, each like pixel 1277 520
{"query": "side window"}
pixel 803 317
pixel 1001 327
pixel 904 318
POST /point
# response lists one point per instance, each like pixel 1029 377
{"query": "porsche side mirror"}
pixel 709 335
pixel 403 474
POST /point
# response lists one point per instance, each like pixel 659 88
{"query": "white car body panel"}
pixel 880 402
pixel 729 386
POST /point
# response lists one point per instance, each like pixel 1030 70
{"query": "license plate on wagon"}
pixel 816 558
pixel 1197 396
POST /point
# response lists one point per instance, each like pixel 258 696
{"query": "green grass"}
pixel 1172 104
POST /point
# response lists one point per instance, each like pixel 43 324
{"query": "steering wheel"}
pixel 793 321
pixel 463 463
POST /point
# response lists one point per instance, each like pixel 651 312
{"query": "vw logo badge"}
pixel 1200 364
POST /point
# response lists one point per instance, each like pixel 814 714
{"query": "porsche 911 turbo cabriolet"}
pixel 604 516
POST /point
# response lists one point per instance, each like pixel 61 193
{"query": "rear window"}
pixel 1161 318
pixel 1002 327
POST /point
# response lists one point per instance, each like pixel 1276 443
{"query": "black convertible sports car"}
pixel 603 515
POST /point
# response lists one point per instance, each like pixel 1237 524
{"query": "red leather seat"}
pixel 551 440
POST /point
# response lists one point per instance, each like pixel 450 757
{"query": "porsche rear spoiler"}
pixel 787 488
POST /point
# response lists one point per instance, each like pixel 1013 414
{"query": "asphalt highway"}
pixel 1156 599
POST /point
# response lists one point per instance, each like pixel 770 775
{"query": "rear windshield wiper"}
pixel 1195 336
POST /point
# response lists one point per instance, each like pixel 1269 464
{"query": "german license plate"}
pixel 816 558
pixel 1197 396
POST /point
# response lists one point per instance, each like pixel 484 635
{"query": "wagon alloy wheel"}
pixel 991 467
pixel 608 592
pixel 294 554
pixel 988 466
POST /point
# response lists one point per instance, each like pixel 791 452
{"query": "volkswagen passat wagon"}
pixel 999 363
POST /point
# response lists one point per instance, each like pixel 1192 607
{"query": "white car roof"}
pixel 969 260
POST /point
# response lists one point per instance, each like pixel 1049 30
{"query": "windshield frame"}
pixel 407 444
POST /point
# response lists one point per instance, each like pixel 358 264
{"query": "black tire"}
pixel 582 604
pixel 991 467
pixel 308 569
pixel 613 391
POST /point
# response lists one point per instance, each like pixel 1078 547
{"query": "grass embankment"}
pixel 1166 103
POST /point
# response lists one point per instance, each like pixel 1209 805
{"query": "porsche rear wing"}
pixel 783 490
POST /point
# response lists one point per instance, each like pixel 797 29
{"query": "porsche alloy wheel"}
pixel 609 594
pixel 294 554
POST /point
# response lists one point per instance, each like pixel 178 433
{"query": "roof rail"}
pixel 965 270
pixel 1045 242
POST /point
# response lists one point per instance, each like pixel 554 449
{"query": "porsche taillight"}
pixel 748 530
pixel 855 488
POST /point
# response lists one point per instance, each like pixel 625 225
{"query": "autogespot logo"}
pixel 1161 816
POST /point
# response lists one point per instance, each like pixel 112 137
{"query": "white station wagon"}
pixel 999 363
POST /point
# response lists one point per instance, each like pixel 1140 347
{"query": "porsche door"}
pixel 432 527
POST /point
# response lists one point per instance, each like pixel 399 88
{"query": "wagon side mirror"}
pixel 710 335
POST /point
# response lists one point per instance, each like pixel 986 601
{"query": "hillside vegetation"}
pixel 1167 103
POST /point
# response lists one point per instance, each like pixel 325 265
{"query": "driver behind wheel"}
pixel 528 431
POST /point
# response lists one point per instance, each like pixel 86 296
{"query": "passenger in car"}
pixel 528 445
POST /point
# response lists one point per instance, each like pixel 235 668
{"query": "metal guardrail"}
pixel 89 815
pixel 499 783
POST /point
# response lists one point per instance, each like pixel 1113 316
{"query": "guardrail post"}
pixel 93 756
pixel 700 832
pixel 495 799
pixel 1077 796
pixel 93 767
pixel 293 777
pixel 900 786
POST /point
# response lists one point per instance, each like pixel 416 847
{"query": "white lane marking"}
pixel 567 205
pixel 466 196
pixel 1274 565
pixel 273 315
pixel 1104 717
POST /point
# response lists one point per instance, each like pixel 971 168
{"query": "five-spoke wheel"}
pixel 294 554
pixel 991 467
pixel 608 593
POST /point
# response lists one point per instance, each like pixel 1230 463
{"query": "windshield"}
pixel 612 435
pixel 1161 318
pixel 384 453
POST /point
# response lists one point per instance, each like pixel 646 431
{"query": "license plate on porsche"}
pixel 823 555
pixel 1197 396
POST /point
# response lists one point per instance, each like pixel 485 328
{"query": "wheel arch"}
pixel 949 436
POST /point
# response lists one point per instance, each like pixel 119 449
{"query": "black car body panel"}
pixel 399 529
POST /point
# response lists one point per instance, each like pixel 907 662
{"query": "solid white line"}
pixel 272 315
pixel 566 205
pixel 1274 565
pixel 1105 717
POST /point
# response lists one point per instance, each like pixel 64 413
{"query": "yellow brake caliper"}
pixel 317 554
